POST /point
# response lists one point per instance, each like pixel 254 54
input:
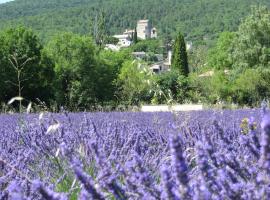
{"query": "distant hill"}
pixel 198 19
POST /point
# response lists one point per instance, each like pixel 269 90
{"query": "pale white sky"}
pixel 4 1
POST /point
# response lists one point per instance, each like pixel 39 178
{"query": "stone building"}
pixel 124 40
pixel 129 32
pixel 145 30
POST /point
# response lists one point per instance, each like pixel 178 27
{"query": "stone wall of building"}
pixel 144 29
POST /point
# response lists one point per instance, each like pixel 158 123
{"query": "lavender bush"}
pixel 192 155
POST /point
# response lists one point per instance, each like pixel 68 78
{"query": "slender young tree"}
pixel 26 71
pixel 19 69
pixel 179 57
pixel 99 29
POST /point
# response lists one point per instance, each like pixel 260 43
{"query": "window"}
pixel 156 71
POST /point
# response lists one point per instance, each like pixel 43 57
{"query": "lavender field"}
pixel 189 155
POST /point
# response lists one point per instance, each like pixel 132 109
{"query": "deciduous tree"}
pixel 251 47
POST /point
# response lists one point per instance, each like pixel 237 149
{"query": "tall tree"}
pixel 76 70
pixel 219 56
pixel 251 47
pixel 99 28
pixel 179 57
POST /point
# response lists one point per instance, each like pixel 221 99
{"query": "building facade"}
pixel 124 40
pixel 129 32
pixel 145 30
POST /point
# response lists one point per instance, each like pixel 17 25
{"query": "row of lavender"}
pixel 195 155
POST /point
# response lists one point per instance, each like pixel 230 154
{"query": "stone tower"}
pixel 144 29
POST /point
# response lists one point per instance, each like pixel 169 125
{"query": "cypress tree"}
pixel 179 57
pixel 135 36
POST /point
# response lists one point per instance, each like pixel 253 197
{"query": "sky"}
pixel 4 1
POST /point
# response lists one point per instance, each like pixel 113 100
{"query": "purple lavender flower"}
pixel 253 133
pixel 115 189
pixel 84 195
pixel 87 181
pixel 46 193
pixel 207 162
pixel 15 191
pixel 180 167
pixel 265 143
pixel 167 189
pixel 206 171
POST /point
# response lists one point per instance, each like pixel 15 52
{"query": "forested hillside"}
pixel 198 19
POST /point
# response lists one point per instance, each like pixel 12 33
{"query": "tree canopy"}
pixel 218 57
pixel 199 20
pixel 251 48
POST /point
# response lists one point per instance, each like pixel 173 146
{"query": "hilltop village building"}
pixel 162 65
pixel 129 32
pixel 144 31
pixel 124 40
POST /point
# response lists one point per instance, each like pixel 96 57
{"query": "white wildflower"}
pixel 29 108
pixel 57 152
pixel 40 117
pixel 53 128
pixel 73 183
pixel 15 99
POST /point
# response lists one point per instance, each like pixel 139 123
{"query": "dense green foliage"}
pixel 75 68
pixel 69 71
pixel 179 57
pixel 251 48
pixel 218 57
pixel 199 19
pixel 134 83
pixel 169 88
pixel 75 71
pixel 25 69
pixel 85 75
pixel 151 45
pixel 246 53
